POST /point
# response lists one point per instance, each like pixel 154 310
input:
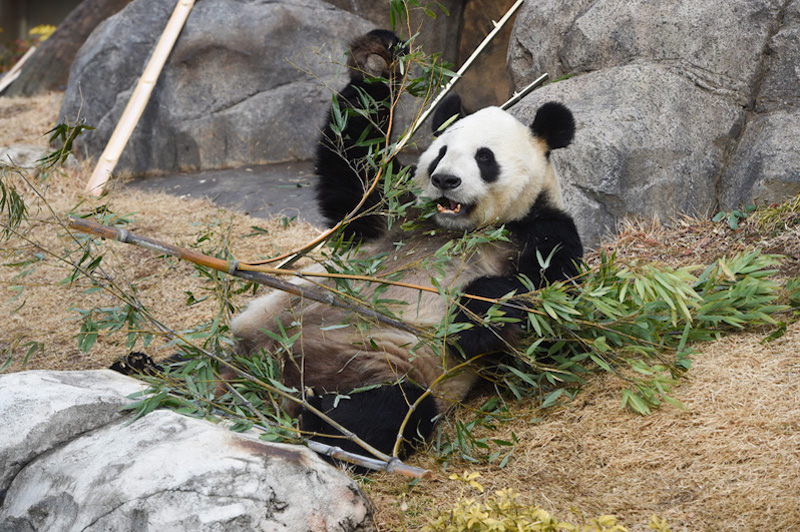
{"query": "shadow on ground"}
pixel 269 191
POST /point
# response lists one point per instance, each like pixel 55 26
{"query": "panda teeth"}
pixel 444 210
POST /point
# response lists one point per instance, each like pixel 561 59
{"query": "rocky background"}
pixel 682 106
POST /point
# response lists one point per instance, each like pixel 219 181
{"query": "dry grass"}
pixel 731 461
pixel 47 314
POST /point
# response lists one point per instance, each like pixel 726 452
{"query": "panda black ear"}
pixel 449 107
pixel 554 123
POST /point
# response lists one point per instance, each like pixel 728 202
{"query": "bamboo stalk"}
pixel 138 100
pixel 517 96
pixel 15 71
pixel 486 40
pixel 231 268
pixel 393 465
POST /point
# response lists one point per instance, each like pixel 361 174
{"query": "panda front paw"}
pixel 374 54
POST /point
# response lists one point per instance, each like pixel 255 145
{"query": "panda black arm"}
pixel 341 156
pixel 547 232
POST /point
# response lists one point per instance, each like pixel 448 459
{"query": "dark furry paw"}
pixel 373 54
pixel 136 363
pixel 374 415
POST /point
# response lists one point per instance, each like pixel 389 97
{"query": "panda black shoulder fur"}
pixel 486 168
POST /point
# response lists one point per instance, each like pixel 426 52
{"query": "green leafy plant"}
pixel 734 217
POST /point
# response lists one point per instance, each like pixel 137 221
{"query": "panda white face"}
pixel 485 168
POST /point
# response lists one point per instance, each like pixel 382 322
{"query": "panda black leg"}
pixel 374 415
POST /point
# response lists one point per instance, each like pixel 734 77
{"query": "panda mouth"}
pixel 450 207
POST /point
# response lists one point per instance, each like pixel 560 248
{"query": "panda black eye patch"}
pixel 435 162
pixel 487 165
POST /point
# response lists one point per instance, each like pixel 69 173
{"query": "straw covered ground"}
pixel 730 461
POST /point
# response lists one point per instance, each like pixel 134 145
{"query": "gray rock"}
pixel 766 167
pixel 636 149
pixel 87 468
pixel 245 83
pixel 715 44
pixel 48 408
pixel 27 156
pixel 682 106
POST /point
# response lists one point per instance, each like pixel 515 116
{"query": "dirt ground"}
pixel 729 461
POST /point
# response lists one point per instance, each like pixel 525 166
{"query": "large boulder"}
pixel 682 106
pixel 74 462
pixel 246 83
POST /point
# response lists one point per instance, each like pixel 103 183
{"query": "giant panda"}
pixel 485 169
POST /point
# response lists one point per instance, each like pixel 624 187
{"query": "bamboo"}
pixel 393 465
pixel 231 268
pixel 497 27
pixel 141 95
pixel 13 74
pixel 517 96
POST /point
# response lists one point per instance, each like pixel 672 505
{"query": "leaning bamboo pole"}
pixel 141 95
pixel 459 74
pixel 15 71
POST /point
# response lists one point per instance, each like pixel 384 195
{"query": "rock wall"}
pixel 245 83
pixel 71 461
pixel 681 106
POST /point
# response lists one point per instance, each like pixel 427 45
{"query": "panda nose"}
pixel 445 181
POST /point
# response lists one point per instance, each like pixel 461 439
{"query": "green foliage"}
pixel 734 217
pixel 13 210
pixel 399 9
pixel 476 440
pixel 66 135
pixel 637 322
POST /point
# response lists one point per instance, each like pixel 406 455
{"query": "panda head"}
pixel 489 167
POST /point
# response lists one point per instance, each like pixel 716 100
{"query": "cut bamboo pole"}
pixel 233 267
pixel 141 95
pixel 517 96
pixel 13 74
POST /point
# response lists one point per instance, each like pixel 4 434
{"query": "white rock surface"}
pixel 74 463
